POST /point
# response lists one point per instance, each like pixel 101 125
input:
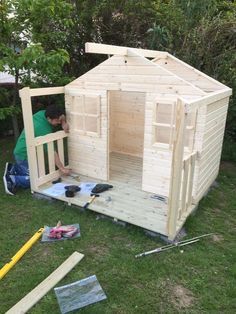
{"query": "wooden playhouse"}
pixel 144 121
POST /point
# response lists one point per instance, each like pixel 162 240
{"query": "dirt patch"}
pixel 118 238
pixel 97 250
pixel 181 297
pixel 46 251
pixel 217 237
pixel 216 210
pixel 228 166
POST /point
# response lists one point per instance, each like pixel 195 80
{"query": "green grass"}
pixel 199 280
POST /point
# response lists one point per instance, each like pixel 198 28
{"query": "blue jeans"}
pixel 20 173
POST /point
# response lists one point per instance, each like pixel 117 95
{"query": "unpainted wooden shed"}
pixel 145 122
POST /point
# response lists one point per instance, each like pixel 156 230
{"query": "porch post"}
pixel 176 169
pixel 29 136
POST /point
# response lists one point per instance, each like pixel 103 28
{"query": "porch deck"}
pixel 125 201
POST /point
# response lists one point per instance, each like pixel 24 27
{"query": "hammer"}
pixel 91 200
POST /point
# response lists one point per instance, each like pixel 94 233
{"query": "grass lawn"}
pixel 201 279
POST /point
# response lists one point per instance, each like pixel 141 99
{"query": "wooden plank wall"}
pixel 88 154
pixel 135 73
pixel 157 161
pixel 131 73
pixel 127 122
pixel 209 140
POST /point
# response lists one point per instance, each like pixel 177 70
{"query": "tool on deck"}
pixel 91 200
pixel 173 245
pixel 5 269
pixel 99 188
pixel 75 176
pixel 71 190
pixel 56 181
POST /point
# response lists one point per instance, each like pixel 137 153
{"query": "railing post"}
pixel 176 169
pixel 29 136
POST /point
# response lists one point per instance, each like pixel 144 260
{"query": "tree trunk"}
pixel 15 96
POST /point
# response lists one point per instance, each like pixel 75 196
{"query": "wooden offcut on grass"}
pixel 201 279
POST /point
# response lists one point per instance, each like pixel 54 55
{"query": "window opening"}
pixel 86 114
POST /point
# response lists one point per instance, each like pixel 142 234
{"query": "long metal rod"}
pixel 173 245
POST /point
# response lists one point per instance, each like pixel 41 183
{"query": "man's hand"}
pixel 65 171
pixel 64 124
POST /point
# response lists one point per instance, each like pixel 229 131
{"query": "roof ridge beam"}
pixel 120 50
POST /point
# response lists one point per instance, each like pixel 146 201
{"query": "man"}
pixel 17 175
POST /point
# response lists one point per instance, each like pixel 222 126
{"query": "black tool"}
pixel 101 187
pixel 71 190
pixel 56 181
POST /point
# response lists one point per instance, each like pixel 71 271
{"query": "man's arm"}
pixel 64 171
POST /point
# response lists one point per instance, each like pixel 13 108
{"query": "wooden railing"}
pixel 35 150
pixel 180 203
pixel 182 174
pixel 53 141
pixel 185 200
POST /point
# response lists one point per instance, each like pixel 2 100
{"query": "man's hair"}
pixel 53 112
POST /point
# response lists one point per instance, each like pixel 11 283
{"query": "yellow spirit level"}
pixel 5 269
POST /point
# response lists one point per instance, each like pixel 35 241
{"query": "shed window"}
pixel 86 114
pixel 163 124
pixel 164 117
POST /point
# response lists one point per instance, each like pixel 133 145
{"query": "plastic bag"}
pixel 79 294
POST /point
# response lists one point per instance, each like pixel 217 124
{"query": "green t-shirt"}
pixel 41 127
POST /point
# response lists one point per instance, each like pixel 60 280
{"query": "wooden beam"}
pixel 39 291
pixel 176 172
pixel 123 51
pixel 29 136
pixel 46 91
pixel 50 137
pixel 208 99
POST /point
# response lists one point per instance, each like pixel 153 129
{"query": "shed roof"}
pixel 130 69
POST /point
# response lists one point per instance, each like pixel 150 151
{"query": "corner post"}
pixel 176 169
pixel 29 136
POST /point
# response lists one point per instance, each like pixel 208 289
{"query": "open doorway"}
pixel 126 136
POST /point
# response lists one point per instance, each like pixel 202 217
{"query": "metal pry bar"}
pixel 173 245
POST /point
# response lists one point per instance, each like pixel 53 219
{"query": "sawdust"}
pixel 182 297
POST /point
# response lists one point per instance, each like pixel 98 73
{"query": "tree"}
pixel 31 62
